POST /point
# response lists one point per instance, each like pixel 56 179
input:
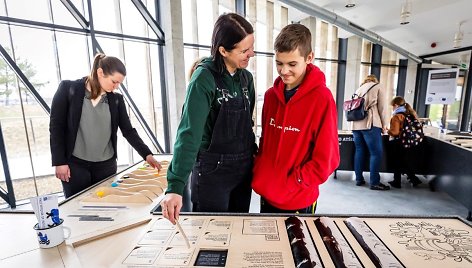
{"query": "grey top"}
pixel 93 141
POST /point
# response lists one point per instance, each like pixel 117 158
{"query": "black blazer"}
pixel 66 110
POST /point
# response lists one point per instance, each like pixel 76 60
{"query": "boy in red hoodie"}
pixel 298 148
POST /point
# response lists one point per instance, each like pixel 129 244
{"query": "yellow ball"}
pixel 100 193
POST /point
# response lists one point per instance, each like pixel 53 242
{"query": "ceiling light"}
pixel 458 36
pixel 350 3
pixel 405 13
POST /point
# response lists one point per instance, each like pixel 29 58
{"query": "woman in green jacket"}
pixel 215 140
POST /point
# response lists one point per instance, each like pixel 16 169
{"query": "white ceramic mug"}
pixel 52 236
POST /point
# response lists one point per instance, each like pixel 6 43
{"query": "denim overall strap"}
pixel 232 132
pixel 221 177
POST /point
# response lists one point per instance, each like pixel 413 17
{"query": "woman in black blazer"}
pixel 85 116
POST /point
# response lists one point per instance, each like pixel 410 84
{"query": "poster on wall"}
pixel 442 86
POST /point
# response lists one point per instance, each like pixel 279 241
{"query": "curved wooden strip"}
pixel 136 188
pixel 113 198
pixel 139 182
pixel 144 172
pixel 104 191
pixel 142 177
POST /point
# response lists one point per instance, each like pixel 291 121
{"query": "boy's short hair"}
pixel 294 36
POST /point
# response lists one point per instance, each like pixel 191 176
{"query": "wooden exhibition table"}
pixel 251 240
pixel 21 246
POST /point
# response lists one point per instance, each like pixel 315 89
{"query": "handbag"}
pixel 355 107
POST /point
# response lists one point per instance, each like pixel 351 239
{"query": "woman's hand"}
pixel 153 162
pixel 385 130
pixel 171 205
pixel 63 173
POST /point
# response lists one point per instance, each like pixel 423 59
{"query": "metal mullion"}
pixel 127 37
pixel 92 28
pixel 165 107
pixel 41 25
pixel 164 95
pixel 140 118
pixel 9 196
pixel 150 20
pixel 50 26
pixel 467 100
pixel 56 54
pixel 76 13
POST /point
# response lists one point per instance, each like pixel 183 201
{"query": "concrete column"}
pixel 280 17
pixel 215 11
pixel 367 51
pixel 334 46
pixel 270 42
pixel 174 62
pixel 323 46
pixel 353 63
pixel 251 16
pixel 310 23
pixel 410 82
pixel 193 8
pixel 283 17
pixel 228 4
pixel 387 74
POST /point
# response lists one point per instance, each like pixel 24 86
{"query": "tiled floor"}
pixel 342 196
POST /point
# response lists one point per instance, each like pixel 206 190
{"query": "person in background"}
pixel 85 116
pixel 403 158
pixel 215 140
pixel 298 148
pixel 194 67
pixel 367 133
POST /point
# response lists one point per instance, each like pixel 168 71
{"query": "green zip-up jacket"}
pixel 196 127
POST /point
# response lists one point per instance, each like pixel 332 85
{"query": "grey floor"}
pixel 342 196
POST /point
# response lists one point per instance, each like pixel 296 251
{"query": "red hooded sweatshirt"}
pixel 298 148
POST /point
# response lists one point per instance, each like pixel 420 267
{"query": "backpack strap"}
pixel 369 89
pixel 361 97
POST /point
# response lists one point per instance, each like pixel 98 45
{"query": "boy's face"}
pixel 291 66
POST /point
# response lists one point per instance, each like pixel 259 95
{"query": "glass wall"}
pixel 48 55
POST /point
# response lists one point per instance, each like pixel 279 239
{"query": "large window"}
pixel 48 55
pixel 388 68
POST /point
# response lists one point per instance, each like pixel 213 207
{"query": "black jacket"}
pixel 66 110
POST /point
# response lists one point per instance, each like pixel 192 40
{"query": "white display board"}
pixel 442 86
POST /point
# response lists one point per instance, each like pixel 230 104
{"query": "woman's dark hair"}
pixel 229 30
pixel 109 65
pixel 400 101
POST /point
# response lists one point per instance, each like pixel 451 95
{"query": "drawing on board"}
pixel 434 241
